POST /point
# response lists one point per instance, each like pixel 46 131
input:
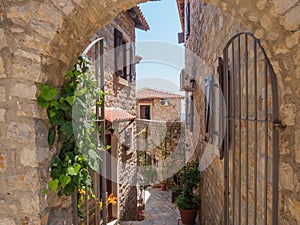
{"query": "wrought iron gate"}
pixel 90 209
pixel 250 145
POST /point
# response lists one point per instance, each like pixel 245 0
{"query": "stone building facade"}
pixel 161 145
pixel 40 41
pixel 160 131
pixel 209 29
pixel 158 105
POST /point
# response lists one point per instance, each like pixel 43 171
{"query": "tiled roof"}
pixel 139 19
pixel 180 6
pixel 117 115
pixel 153 93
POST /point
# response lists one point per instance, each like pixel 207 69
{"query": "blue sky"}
pixel 163 57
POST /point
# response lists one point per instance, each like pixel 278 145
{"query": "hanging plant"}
pixel 71 113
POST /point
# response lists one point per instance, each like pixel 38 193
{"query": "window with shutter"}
pixel 124 57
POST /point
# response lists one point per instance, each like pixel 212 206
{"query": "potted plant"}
pixel 188 202
pixel 163 185
pixel 176 191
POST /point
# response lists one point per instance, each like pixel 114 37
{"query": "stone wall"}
pixel 277 26
pixel 172 112
pixel 162 141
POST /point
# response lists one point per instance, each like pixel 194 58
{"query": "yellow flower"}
pixel 81 191
pixel 112 200
pixel 101 205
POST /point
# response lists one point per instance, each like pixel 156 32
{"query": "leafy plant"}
pixel 73 106
pixel 189 179
pixel 187 201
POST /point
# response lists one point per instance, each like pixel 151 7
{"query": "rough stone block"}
pixel 294 208
pixel 288 114
pixel 3 161
pixel 47 20
pixel 2 69
pixel 297 146
pixel 29 203
pixel 283 5
pixel 21 14
pixel 297 58
pixel 66 5
pixel 7 221
pixel 2 115
pixel 2 94
pixel 293 39
pixel 27 91
pixel 21 132
pixel 28 157
pixel 291 20
pixel 28 55
pixel 286 179
pixel 261 4
pixel 265 22
pixel 3 42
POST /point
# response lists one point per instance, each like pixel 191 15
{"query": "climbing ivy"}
pixel 71 113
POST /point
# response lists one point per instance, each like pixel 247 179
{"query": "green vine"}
pixel 73 107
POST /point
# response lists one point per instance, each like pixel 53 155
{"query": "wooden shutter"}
pixel 191 113
pixel 132 64
pixel 187 20
pixel 209 108
pixel 118 42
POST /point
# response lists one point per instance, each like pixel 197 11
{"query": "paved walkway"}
pixel 159 209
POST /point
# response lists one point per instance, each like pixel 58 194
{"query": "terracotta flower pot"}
pixel 188 216
pixel 163 187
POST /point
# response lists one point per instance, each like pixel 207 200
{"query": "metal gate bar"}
pixel 247 131
pixel 241 190
pixel 255 131
pixel 96 49
pixel 232 114
pixel 240 129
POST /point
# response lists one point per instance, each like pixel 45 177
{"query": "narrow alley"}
pixel 159 210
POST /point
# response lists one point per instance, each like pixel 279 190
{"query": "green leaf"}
pixel 64 180
pixel 58 119
pixel 46 191
pixel 51 136
pixel 56 162
pixel 76 167
pixel 42 102
pixel 69 74
pixel 55 173
pixel 48 93
pixel 62 106
pixel 54 104
pixel 67 129
pixel 71 171
pixel 69 189
pixel 53 184
pixel 52 112
pixel 70 99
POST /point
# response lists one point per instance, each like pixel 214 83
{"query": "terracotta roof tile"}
pixel 117 115
pixel 153 93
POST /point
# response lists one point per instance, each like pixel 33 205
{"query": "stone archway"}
pixel 40 41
